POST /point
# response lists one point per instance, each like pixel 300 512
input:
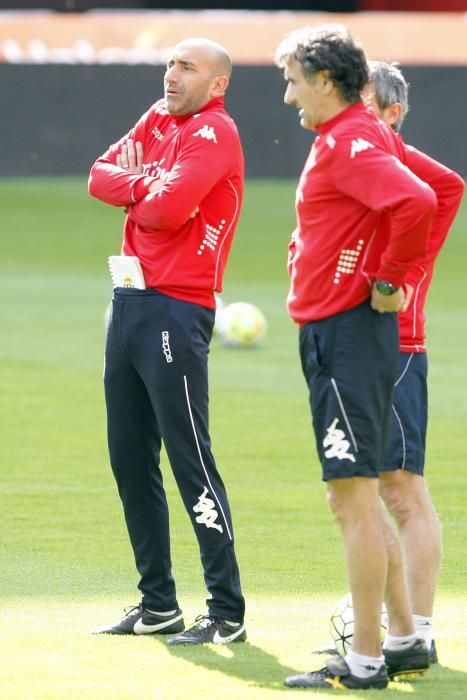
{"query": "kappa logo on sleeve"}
pixel 156 169
pixel 206 132
pixel 359 145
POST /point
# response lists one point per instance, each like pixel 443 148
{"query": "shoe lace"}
pixel 132 609
pixel 203 622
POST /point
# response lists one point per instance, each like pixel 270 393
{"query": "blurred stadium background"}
pixel 63 73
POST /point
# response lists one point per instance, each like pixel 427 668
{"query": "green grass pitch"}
pixel 66 565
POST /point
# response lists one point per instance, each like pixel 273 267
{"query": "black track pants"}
pixel 156 388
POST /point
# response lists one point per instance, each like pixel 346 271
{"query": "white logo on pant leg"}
pixel 208 516
pixel 336 442
pixel 166 346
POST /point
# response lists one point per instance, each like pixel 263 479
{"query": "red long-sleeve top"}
pixel 449 189
pixel 200 161
pixel 354 172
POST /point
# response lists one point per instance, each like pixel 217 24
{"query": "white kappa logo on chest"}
pixel 206 132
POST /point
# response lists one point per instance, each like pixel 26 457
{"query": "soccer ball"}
pixel 342 624
pixel 241 324
pixel 220 306
pixel 107 314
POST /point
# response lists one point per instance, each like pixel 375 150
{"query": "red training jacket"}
pixel 199 158
pixel 449 189
pixel 354 173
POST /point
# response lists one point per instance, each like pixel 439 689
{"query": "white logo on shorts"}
pixel 166 346
pixel 336 442
pixel 208 516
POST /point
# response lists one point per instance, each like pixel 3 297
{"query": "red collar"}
pixel 356 108
pixel 213 104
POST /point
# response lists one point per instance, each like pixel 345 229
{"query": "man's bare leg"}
pixel 371 561
pixel 408 500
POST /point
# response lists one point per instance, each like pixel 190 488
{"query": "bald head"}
pixel 198 71
pixel 210 51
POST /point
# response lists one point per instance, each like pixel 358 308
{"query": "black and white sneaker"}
pixel 408 663
pixel 139 620
pixel 210 630
pixel 336 675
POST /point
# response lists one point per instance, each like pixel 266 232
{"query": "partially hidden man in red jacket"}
pixel 349 342
pixel 179 176
pixel 402 483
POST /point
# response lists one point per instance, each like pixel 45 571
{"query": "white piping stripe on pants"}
pixel 399 422
pixel 401 427
pixel 405 369
pixel 201 457
pixel 339 400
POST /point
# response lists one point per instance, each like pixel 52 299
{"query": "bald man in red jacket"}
pixel 179 176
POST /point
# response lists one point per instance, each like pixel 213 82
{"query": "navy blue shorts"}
pixel 409 415
pixel 350 363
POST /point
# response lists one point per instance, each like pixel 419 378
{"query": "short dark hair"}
pixel 331 48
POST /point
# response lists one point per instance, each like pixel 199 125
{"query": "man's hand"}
pixel 408 294
pixel 130 157
pixel 387 303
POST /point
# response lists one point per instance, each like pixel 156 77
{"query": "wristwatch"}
pixel 385 288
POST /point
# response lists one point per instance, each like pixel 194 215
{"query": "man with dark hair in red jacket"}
pixel 179 175
pixel 347 280
pixel 401 478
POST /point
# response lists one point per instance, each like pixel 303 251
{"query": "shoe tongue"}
pixel 204 621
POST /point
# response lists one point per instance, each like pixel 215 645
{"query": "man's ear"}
pixel 326 83
pixel 219 85
pixel 392 114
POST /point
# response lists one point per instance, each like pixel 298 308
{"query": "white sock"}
pixel 424 628
pixel 399 643
pixel 363 666
pixel 162 614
